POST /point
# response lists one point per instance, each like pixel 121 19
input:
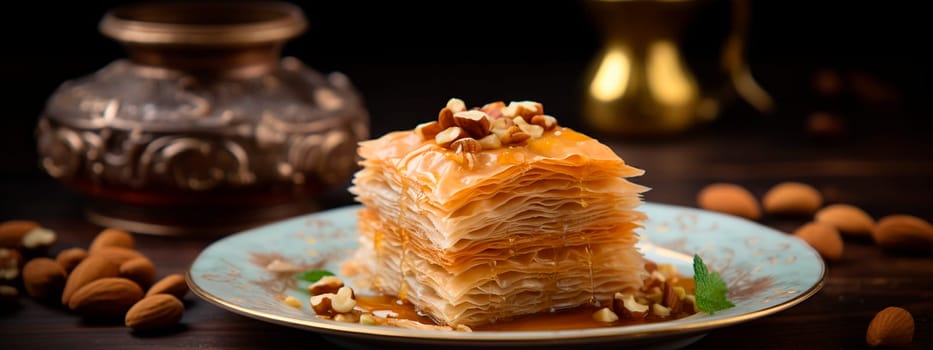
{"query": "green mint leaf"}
pixel 313 275
pixel 710 288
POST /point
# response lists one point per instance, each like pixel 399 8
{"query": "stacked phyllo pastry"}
pixel 491 213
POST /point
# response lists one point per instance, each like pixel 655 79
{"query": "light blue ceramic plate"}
pixel 767 271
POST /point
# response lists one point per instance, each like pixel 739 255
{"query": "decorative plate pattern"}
pixel 767 271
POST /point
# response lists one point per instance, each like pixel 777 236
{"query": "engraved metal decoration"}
pixel 161 131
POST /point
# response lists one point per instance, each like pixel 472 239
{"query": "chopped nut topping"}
pixel 605 315
pixel 502 128
pixel 660 310
pixel 282 266
pixel 658 276
pixel 466 145
pixel 511 125
pixel 680 291
pixel 446 118
pixel 672 298
pixel 428 130
pixel 322 304
pixel 491 141
pixel 532 130
pixel 344 300
pixel 690 302
pixel 449 135
pixel 669 270
pixel 292 301
pixel 545 121
pixel 524 109
pixel 516 137
pixel 629 303
pixel 350 317
pixel 475 123
pixel 456 105
pixel 371 320
pixel 669 297
pixel 494 110
pixel 655 294
pixel 327 284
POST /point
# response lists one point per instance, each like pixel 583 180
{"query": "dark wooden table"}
pixel 884 173
pixel 883 164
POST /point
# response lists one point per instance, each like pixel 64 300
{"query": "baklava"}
pixel 490 213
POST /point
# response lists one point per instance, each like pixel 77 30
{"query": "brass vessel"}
pixel 205 128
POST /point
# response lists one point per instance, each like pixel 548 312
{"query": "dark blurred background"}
pixel 407 58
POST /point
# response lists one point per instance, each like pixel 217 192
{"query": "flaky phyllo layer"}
pixel 475 237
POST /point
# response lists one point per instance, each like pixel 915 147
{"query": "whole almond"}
pixel 730 199
pixel 112 237
pixel 140 270
pixel 792 198
pixel 117 255
pixel 44 278
pixel 89 270
pixel 12 232
pixel 70 258
pixel 825 239
pixel 893 327
pixel 155 312
pixel 904 232
pixel 173 284
pixel 106 298
pixel 847 219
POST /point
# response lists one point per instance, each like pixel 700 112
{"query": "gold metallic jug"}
pixel 640 84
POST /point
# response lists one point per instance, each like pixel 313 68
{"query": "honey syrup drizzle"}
pixel 403 262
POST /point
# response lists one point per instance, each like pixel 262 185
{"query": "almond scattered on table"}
pixel 112 237
pixel 93 268
pixel 140 270
pixel 730 199
pixel 893 327
pixel 848 219
pixel 118 255
pixel 792 198
pixel 154 312
pixel 904 232
pixel 70 258
pixel 105 298
pixel 173 284
pixel 105 281
pixel 44 278
pixel 825 239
